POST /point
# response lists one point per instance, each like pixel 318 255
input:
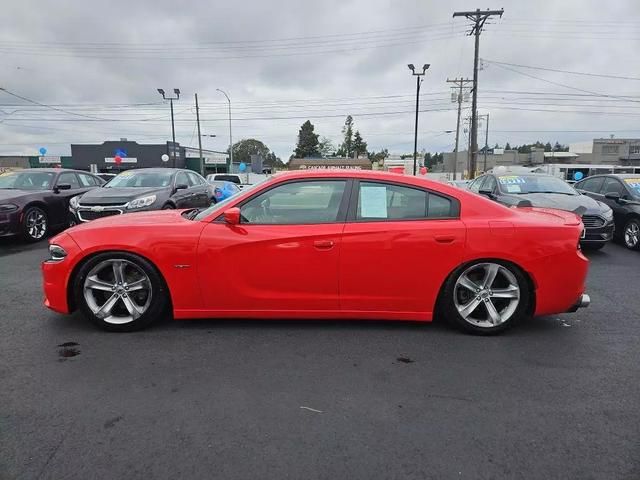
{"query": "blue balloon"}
pixel 242 167
pixel 43 151
pixel 578 176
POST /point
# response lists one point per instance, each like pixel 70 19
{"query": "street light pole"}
pixel 173 128
pixel 415 134
pixel 230 134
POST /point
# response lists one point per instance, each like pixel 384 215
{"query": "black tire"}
pixel 29 233
pixel 158 296
pixel 449 297
pixel 627 239
pixel 72 220
pixel 168 206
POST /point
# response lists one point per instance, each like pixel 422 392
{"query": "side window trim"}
pixel 355 194
pixel 342 208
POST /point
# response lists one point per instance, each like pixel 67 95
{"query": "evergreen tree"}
pixel 307 142
pixel 507 146
pixel 359 145
pixel 346 149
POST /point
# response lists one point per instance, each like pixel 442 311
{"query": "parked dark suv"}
pixel 622 193
pixel 509 188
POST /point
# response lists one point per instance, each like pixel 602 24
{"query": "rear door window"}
pixel 380 201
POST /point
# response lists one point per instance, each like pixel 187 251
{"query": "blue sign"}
pixel 120 152
pixel 578 176
pixel 242 167
pixel 43 151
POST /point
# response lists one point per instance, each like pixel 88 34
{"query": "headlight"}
pixel 8 207
pixel 608 214
pixel 73 203
pixel 141 202
pixel 56 253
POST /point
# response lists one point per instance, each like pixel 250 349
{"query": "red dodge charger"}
pixel 324 244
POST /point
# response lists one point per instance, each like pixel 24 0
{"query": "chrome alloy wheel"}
pixel 36 223
pixel 632 235
pixel 117 291
pixel 486 294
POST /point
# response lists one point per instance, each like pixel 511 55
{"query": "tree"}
pixel 307 141
pixel 359 145
pixel 243 150
pixel 326 147
pixel 346 149
pixel 378 156
pixel 271 160
pixel 507 146
pixel 547 147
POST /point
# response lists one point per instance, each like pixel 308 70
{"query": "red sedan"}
pixel 324 244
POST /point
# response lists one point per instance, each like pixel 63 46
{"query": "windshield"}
pixel 141 179
pixel 222 203
pixel 27 180
pixel 634 186
pixel 521 184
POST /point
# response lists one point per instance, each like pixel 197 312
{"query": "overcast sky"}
pixel 98 65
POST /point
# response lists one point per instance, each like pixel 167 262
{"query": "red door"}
pixel 282 259
pixel 398 247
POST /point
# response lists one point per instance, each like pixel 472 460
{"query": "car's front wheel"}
pixel 486 297
pixel 631 234
pixel 35 224
pixel 120 291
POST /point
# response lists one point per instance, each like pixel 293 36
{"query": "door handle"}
pixel 445 238
pixel 323 244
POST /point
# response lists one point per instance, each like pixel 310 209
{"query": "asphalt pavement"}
pixel 556 397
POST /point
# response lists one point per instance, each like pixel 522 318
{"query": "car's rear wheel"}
pixel 486 297
pixel 120 292
pixel 35 224
pixel 631 234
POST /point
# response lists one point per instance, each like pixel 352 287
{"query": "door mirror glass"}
pixel 181 186
pixel 63 186
pixel 232 216
pixel 486 193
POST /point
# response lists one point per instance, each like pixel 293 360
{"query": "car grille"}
pixel 592 221
pixel 88 215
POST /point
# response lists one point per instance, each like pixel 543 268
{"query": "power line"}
pixel 588 74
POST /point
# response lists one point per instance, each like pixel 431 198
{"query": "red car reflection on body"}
pixel 324 244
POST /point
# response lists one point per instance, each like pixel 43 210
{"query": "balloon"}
pixel 578 176
pixel 118 159
pixel 165 157
pixel 242 167
pixel 43 151
pixel 423 170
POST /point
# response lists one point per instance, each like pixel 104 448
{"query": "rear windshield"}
pixel 228 178
pixel 521 184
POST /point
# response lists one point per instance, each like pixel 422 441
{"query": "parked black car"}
pixel 622 193
pixel 549 192
pixel 144 189
pixel 35 201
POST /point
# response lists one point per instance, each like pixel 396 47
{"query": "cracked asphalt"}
pixel 556 397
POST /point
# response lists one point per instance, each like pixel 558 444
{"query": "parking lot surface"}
pixel 555 397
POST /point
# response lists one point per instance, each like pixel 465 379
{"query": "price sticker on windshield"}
pixel 633 183
pixel 511 180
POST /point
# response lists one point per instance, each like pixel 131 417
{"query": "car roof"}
pixel 53 170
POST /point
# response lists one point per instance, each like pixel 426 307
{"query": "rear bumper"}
pixel 583 302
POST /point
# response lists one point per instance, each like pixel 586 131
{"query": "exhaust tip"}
pixel 585 301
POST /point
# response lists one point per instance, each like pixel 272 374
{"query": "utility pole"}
pixel 459 83
pixel 486 139
pixel 173 128
pixel 230 163
pixel 199 137
pixel 478 17
pixel 415 134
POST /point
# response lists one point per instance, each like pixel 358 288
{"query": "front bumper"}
pixel 56 275
pixel 597 235
pixel 10 223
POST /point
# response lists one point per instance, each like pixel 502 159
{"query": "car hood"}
pixel 117 196
pixel 7 194
pixel 562 202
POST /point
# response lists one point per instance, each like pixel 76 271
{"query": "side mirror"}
pixel 615 196
pixel 487 193
pixel 181 186
pixel 232 216
pixel 62 186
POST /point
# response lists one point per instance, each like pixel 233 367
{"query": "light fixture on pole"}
pixel 173 128
pixel 230 135
pixel 415 136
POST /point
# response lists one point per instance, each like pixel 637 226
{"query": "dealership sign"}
pixel 49 159
pixel 330 167
pixel 122 160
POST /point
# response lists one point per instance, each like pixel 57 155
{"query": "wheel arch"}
pixel 531 308
pixel 36 203
pixel 71 302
